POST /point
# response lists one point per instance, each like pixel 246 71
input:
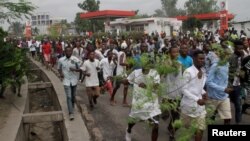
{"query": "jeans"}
pixel 236 99
pixel 70 92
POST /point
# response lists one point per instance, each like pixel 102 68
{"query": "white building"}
pixel 148 25
pixel 42 21
pixel 242 25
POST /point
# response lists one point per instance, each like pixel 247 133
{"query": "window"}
pixel 39 17
pixel 47 17
pixel 33 17
pixel 34 23
pixel 43 22
pixel 43 17
pixel 39 22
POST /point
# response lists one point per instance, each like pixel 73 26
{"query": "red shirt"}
pixel 59 49
pixel 46 48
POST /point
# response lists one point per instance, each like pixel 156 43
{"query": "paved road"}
pixel 112 120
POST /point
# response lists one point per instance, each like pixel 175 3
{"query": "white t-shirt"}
pixel 78 53
pixel 121 70
pixel 91 68
pixel 63 45
pixel 32 47
pixel 107 68
pixel 114 52
pixel 29 43
pixel 99 54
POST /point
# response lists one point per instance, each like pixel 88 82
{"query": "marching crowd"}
pixel 210 71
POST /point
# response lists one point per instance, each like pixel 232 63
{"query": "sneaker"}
pixel 127 136
pixel 71 117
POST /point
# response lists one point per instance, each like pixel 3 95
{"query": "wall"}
pixel 242 26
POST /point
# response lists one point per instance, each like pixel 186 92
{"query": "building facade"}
pixel 242 25
pixel 147 25
pixel 42 21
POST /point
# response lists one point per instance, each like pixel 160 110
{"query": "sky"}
pixel 68 8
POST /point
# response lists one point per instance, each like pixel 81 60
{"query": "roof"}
pixel 107 14
pixel 239 22
pixel 206 16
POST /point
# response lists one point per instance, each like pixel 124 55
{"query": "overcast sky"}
pixel 68 8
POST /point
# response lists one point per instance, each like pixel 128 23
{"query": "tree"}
pixel 201 6
pixel 159 13
pixel 89 6
pixel 55 30
pixel 64 26
pixel 169 6
pixel 13 61
pixel 82 25
pixel 16 28
pixel 191 24
pixel 12 11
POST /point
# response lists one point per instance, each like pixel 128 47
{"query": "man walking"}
pixel 68 66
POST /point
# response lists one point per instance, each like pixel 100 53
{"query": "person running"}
pixel 245 81
pixel 234 78
pixel 173 90
pixel 33 48
pixel 144 106
pixel 185 60
pixel 108 66
pixel 194 96
pixel 46 49
pixel 217 86
pixel 90 68
pixel 211 57
pixel 78 52
pixel 67 67
pixel 121 72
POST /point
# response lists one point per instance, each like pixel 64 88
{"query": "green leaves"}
pixel 83 25
pixel 13 11
pixel 13 63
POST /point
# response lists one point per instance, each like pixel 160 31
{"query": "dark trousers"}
pixel 236 99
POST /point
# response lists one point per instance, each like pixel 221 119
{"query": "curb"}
pixel 89 121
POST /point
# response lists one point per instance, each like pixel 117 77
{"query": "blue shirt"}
pixel 210 59
pixel 217 82
pixel 186 62
pixel 137 59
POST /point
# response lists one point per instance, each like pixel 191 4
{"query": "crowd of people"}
pixel 210 71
